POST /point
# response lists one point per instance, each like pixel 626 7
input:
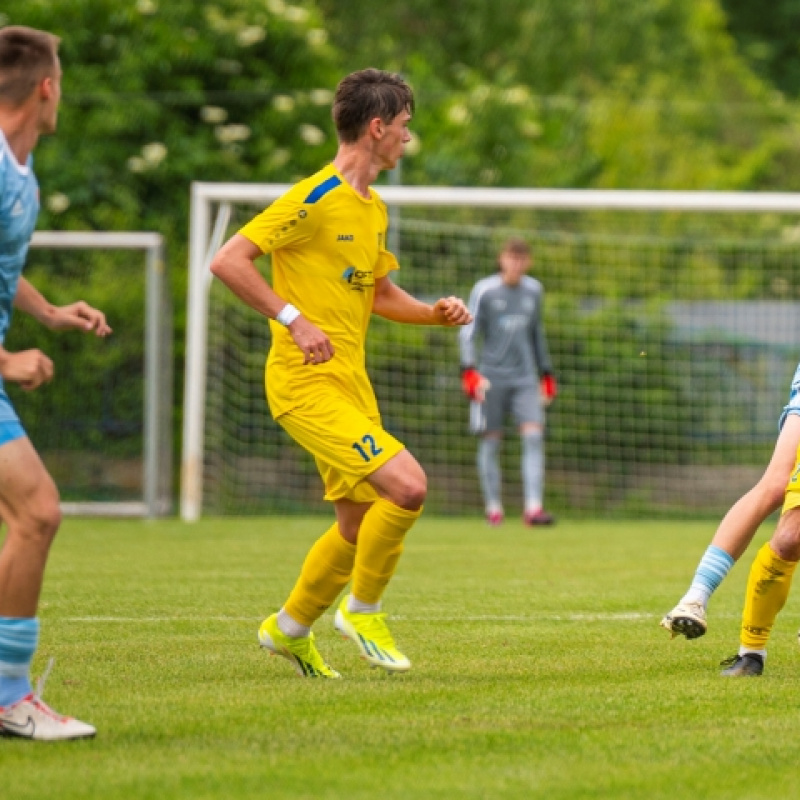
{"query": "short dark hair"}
pixel 27 56
pixel 365 95
pixel 517 247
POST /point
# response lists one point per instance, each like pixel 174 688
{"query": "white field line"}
pixel 588 616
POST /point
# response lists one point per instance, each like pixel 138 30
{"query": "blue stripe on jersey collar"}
pixel 320 191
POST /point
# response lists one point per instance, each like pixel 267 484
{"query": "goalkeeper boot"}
pixel 371 635
pixel 749 665
pixel 538 517
pixel 686 619
pixel 301 652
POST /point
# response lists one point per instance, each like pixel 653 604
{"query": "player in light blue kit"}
pixel 512 375
pixel 30 91
pixel 737 529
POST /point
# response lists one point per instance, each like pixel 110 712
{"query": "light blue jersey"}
pixel 19 208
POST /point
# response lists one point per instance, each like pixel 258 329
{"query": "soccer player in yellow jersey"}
pixel 331 272
pixel 768 585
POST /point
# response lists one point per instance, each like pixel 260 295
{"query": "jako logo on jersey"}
pixel 345 237
pixel 358 279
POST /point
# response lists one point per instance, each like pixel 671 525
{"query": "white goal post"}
pixel 211 209
pixel 156 469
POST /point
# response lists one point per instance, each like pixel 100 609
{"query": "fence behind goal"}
pixel 673 321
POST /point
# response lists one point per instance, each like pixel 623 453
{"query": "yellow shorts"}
pixel 347 445
pixel 792 496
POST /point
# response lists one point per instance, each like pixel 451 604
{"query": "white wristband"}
pixel 287 315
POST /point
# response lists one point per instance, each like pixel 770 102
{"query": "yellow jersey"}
pixel 328 246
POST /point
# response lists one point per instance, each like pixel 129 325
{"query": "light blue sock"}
pixel 18 641
pixel 712 569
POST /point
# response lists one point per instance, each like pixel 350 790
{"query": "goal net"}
pixel 102 426
pixel 672 320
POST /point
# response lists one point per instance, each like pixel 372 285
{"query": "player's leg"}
pixel 490 476
pixel 768 585
pixel 346 445
pixel 29 506
pixel 735 533
pixel 325 572
pixel 492 413
pixel 401 486
pixel 526 406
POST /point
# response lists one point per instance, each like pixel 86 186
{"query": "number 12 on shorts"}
pixel 367 448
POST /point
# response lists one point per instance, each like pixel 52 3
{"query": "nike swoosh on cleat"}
pixel 28 729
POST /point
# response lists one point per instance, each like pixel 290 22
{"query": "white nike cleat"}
pixel 686 619
pixel 32 718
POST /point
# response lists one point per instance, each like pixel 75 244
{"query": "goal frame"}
pixel 158 369
pixel 211 206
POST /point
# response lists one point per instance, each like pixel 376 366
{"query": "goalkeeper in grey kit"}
pixel 513 375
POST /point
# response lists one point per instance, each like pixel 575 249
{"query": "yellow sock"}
pixel 767 589
pixel 380 543
pixel 325 572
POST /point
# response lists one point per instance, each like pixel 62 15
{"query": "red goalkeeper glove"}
pixel 548 388
pixel 473 384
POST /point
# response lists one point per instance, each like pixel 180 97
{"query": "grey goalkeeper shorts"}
pixel 523 403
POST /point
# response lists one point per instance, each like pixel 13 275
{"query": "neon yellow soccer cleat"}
pixel 302 653
pixel 371 635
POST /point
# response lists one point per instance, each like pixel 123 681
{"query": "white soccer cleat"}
pixel 32 718
pixel 686 619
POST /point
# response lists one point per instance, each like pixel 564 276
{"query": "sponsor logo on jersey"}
pixel 345 237
pixel 358 279
pixel 17 209
pixel 512 322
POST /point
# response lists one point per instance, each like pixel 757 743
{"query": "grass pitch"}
pixel 539 671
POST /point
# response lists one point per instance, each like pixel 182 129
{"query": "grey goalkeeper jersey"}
pixel 508 321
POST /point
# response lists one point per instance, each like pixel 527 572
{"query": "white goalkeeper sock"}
pixel 489 471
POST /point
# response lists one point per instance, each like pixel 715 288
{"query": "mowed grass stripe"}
pixel 580 617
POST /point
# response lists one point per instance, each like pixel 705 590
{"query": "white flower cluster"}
pixel 250 35
pixel 228 134
pixel 152 155
pixel 213 114
pixel 317 37
pixel 320 97
pixel 311 134
pixel 58 203
pixel 283 103
pixel 459 114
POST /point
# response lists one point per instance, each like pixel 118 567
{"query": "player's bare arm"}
pixel 234 265
pixel 29 368
pixel 74 316
pixel 394 303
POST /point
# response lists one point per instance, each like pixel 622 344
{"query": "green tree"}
pixel 620 94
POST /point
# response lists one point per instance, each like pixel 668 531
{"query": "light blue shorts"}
pixel 10 426
pixel 793 406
